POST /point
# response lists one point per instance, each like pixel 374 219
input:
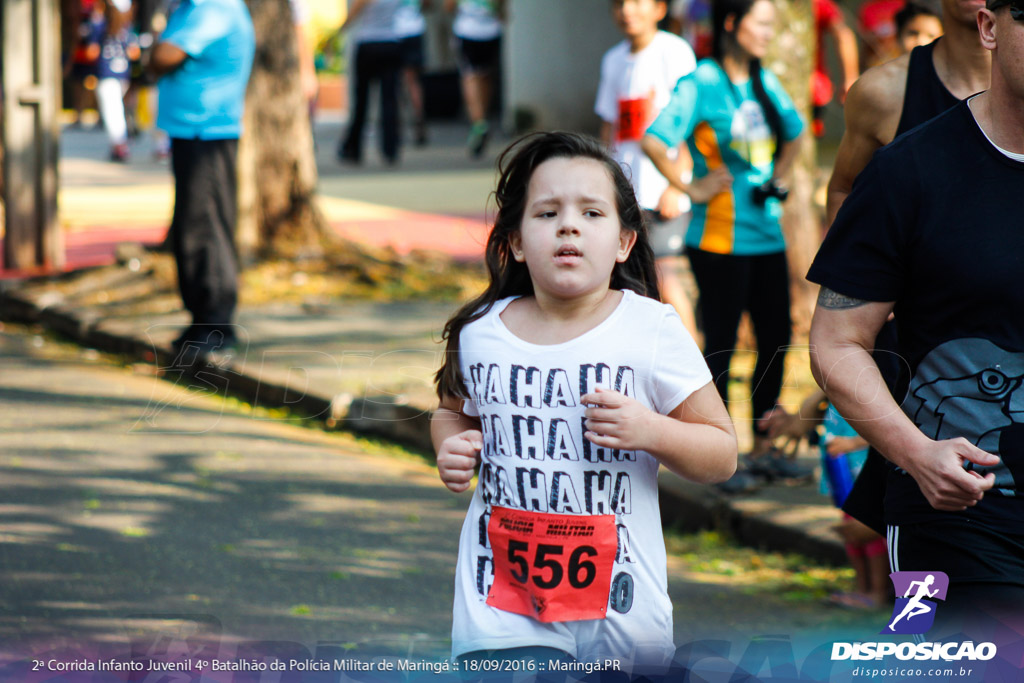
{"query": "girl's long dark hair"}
pixel 721 39
pixel 508 277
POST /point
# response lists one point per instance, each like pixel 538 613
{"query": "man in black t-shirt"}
pixel 887 100
pixel 933 231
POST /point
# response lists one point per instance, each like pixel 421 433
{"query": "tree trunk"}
pixel 792 59
pixel 277 173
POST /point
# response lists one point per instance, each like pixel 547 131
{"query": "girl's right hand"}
pixel 703 189
pixel 838 445
pixel 458 457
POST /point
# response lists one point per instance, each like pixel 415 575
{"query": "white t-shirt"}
pixel 477 20
pixel 535 458
pixel 634 88
pixel 377 23
pixel 409 19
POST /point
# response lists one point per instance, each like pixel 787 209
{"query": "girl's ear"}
pixel 627 238
pixel 515 243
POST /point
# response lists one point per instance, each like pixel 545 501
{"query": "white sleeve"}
pixel 607 105
pixel 683 61
pixel 469 407
pixel 300 12
pixel 679 367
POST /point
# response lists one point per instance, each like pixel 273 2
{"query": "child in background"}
pixel 118 49
pixel 916 25
pixel 477 28
pixel 411 27
pixel 569 384
pixel 85 51
pixel 637 79
pixel 843 453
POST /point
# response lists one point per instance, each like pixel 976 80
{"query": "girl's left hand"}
pixel 668 204
pixel 615 420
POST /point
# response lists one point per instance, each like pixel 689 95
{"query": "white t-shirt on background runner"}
pixel 634 88
pixel 535 458
pixel 409 19
pixel 377 23
pixel 477 20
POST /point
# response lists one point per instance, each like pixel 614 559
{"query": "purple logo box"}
pixel 916 593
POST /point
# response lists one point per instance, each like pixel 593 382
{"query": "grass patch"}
pixel 711 557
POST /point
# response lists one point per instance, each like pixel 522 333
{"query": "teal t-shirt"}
pixel 723 123
pixel 204 97
pixel 834 425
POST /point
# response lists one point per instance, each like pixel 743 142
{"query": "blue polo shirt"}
pixel 203 98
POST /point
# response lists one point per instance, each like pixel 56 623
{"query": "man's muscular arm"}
pixel 843 332
pixel 872 111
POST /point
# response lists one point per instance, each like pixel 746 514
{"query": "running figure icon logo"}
pixel 916 593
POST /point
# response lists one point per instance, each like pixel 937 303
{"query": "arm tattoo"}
pixel 836 301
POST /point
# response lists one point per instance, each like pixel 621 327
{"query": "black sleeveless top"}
pixel 925 96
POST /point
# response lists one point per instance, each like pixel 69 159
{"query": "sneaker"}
pixel 774 466
pixel 198 342
pixel 120 153
pixel 349 156
pixel 420 133
pixel 477 140
pixel 740 482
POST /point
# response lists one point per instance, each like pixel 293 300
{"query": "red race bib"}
pixel 552 567
pixel 634 117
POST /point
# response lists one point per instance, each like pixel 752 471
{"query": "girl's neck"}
pixel 545 320
pixel 579 308
pixel 736 65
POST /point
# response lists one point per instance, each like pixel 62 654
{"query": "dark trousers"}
pixel 203 228
pixel 375 62
pixel 728 285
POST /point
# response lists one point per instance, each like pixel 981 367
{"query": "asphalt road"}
pixel 136 507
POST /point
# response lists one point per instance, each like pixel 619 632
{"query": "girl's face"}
pixel 921 30
pixel 571 237
pixel 756 29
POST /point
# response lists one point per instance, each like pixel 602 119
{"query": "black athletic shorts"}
pixel 412 51
pixel 477 55
pixel 985 567
pixel 866 501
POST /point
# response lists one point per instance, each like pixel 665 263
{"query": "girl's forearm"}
pixel 704 453
pixel 656 150
pixel 446 422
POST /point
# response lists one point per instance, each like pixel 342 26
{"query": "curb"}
pixel 684 504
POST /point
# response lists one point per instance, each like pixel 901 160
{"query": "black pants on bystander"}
pixel 728 285
pixel 203 229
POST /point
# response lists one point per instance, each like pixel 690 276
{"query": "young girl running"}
pixel 568 383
